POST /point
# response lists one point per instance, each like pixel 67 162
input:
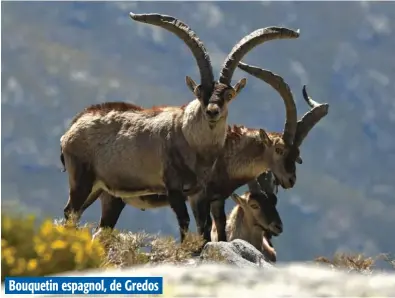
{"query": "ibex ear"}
pixel 237 199
pixel 265 138
pixel 195 88
pixel 240 85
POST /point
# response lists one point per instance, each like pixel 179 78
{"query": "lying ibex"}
pixel 129 151
pixel 247 154
pixel 254 219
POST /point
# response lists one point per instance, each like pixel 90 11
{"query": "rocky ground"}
pixel 243 272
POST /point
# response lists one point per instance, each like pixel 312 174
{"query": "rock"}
pixel 220 280
pixel 237 252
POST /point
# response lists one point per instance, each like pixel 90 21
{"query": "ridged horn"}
pixel 310 119
pixel 188 36
pixel 249 42
pixel 283 89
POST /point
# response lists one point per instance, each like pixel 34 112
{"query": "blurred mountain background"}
pixel 58 58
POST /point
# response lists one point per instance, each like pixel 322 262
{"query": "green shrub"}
pixel 50 249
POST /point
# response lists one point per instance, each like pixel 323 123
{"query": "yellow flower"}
pixel 8 255
pixel 51 249
pixel 79 256
pixel 47 256
pixel 76 246
pixel 58 244
pixel 32 264
pixel 46 228
pixel 40 248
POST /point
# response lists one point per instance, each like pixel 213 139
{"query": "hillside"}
pixel 58 58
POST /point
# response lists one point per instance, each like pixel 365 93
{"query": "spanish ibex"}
pixel 255 218
pixel 278 154
pixel 129 151
pixel 247 154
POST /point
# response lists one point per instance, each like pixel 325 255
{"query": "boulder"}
pixel 237 252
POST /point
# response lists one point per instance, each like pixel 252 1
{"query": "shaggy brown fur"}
pixel 129 151
pixel 247 153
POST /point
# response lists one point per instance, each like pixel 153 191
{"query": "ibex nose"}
pixel 213 112
pixel 277 228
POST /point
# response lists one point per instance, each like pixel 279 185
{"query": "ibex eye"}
pixel 253 206
pixel 279 151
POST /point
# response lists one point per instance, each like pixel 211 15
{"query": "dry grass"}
pixel 125 249
pixel 355 262
pixel 130 249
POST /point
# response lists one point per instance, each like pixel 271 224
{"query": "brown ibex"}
pixel 130 151
pixel 247 154
pixel 255 218
pixel 278 153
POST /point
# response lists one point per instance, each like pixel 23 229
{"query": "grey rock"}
pixel 220 280
pixel 237 252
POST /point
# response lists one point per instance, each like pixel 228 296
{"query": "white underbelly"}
pixel 138 203
pixel 131 198
pixel 127 194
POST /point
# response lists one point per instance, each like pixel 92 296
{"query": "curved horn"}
pixel 283 89
pixel 249 42
pixel 188 36
pixel 254 187
pixel 266 180
pixel 310 119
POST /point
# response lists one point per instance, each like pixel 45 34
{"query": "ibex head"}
pixel 214 96
pixel 260 207
pixel 214 101
pixel 282 150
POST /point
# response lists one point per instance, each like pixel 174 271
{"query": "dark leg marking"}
pixel 201 211
pixel 219 215
pixel 111 209
pixel 178 204
pixel 81 179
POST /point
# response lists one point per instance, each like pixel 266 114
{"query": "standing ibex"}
pixel 278 154
pixel 129 151
pixel 255 218
pixel 247 154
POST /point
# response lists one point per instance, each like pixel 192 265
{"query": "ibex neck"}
pixel 244 154
pixel 198 133
pixel 239 224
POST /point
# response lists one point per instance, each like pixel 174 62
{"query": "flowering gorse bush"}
pixel 51 249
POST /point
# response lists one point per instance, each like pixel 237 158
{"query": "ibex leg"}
pixel 111 209
pixel 218 211
pixel 81 179
pixel 178 204
pixel 201 211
